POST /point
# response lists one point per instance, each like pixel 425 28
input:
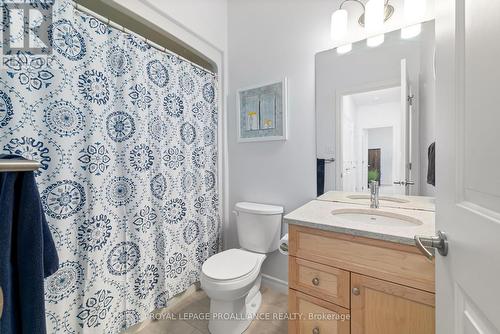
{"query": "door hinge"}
pixel 409 165
pixel 410 99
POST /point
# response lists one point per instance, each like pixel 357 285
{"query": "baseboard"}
pixel 274 283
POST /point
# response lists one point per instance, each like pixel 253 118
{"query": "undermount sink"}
pixel 376 216
pixel 381 198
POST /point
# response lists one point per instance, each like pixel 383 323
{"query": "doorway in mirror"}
pixel 372 140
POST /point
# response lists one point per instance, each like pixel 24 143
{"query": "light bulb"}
pixel 374 22
pixel 414 11
pixel 339 25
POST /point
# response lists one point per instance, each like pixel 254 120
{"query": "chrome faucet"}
pixel 374 194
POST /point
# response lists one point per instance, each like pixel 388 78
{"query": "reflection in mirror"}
pixel 375 116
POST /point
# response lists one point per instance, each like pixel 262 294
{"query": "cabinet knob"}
pixel 316 330
pixel 355 291
pixel 315 281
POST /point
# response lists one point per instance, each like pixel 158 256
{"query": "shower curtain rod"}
pixel 19 165
pixel 128 31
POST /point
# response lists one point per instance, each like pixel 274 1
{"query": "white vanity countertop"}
pixel 411 202
pixel 318 214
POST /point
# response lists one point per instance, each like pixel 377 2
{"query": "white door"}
pixel 412 137
pixel 402 162
pixel 468 165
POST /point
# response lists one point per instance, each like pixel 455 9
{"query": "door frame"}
pixel 371 86
pixel 379 155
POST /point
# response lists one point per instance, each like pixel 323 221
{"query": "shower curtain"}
pixel 127 139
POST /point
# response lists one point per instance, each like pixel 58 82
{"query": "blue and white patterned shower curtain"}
pixel 127 139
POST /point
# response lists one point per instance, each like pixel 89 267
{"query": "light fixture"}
pixel 414 11
pixel 374 14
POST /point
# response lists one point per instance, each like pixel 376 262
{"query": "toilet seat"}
pixel 231 264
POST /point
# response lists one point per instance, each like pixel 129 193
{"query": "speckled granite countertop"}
pixel 318 214
pixel 399 201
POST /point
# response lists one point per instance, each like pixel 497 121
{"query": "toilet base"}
pixel 234 317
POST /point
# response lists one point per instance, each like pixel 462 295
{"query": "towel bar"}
pixel 18 165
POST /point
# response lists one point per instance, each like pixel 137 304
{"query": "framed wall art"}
pixel 262 112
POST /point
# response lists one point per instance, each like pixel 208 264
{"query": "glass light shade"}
pixel 344 49
pixel 411 31
pixel 339 25
pixel 374 16
pixel 375 40
pixel 414 11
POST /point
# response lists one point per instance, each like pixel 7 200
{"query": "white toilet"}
pixel 232 278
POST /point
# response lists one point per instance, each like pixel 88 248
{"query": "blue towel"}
pixel 27 253
pixel 320 177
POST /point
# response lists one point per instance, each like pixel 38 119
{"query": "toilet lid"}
pixel 258 209
pixel 230 264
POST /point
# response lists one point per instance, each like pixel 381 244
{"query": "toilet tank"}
pixel 259 226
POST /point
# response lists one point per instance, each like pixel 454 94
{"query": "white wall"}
pixel 268 40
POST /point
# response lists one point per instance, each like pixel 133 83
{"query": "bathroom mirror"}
pixel 375 111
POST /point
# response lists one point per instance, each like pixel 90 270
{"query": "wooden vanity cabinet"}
pixel 373 286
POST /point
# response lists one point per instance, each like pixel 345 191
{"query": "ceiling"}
pixel 377 96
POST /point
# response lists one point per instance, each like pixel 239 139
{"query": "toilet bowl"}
pixel 232 278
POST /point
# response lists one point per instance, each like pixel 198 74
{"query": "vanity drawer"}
pixel 325 282
pixel 402 264
pixel 316 316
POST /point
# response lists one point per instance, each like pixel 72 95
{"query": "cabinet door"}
pixel 315 316
pixel 380 307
